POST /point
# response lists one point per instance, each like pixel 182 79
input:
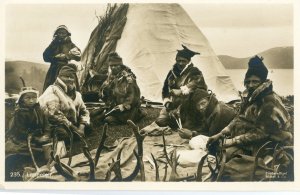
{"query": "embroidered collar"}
pixel 186 67
pixel 264 88
pixel 176 72
pixel 59 83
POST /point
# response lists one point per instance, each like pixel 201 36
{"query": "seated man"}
pixel 64 105
pixel 203 114
pixel 262 116
pixel 121 93
pixel 181 80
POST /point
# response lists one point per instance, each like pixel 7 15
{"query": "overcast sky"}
pixel 239 30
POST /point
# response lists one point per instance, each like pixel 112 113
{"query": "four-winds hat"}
pixel 25 90
pixel 186 53
pixel 62 27
pixel 257 67
pixel 114 59
pixel 67 69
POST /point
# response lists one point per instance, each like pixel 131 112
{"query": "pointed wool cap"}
pixel 114 59
pixel 186 53
pixel 257 67
pixel 67 69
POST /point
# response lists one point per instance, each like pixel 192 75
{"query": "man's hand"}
pixel 61 118
pixel 81 129
pixel 121 107
pixel 176 92
pixel 213 139
pixel 60 56
pixel 185 133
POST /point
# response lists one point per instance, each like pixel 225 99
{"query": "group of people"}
pixel 189 106
pixel 61 109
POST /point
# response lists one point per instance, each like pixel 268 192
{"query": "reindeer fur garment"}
pixel 55 99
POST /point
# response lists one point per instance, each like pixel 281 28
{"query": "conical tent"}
pixel 147 37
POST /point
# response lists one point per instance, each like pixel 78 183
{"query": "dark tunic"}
pixel 217 115
pixel 262 118
pixel 26 121
pixel 190 77
pixel 122 89
pixel 66 47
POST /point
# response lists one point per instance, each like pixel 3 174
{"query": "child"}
pixel 28 119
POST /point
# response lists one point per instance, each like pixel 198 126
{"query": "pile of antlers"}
pixel 70 175
pixel 115 166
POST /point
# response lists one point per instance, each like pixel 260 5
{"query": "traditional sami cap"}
pixel 186 53
pixel 257 67
pixel 25 90
pixel 67 69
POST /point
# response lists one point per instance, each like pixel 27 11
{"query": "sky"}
pixel 239 30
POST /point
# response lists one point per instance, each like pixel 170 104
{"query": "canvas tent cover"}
pixel 147 37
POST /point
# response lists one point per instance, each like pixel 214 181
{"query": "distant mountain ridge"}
pixel 33 73
pixel 274 58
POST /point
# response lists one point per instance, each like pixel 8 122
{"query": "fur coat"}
pixel 262 118
pixel 56 100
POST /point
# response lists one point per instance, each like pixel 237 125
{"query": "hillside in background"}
pixel 33 73
pixel 275 58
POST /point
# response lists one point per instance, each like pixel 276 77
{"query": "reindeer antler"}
pixel 23 82
pixel 136 169
pixel 117 167
pixel 108 173
pixel 165 150
pixel 139 139
pixel 29 138
pixel 166 171
pixel 88 155
pixel 101 143
pixel 200 166
pixel 174 165
pixel 61 170
pixel 156 168
pixel 71 135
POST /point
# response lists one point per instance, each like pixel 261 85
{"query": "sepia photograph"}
pixel 162 93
